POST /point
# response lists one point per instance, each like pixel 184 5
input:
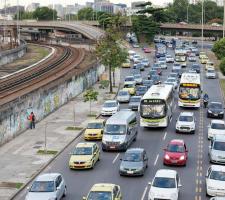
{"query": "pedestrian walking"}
pixel 32 119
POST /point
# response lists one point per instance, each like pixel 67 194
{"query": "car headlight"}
pixel 221 112
pixel 167 157
pixel 209 111
pixel 182 158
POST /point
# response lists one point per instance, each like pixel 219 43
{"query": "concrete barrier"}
pixel 9 56
pixel 13 115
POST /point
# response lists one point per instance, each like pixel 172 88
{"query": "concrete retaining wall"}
pixel 13 116
pixel 13 54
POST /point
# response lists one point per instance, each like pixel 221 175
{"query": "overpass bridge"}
pixel 75 27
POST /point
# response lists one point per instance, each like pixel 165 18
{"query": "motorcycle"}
pixel 205 102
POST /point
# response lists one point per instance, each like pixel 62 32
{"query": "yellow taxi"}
pixel 130 87
pixel 84 156
pixel 94 130
pixel 204 59
pixel 202 54
pixel 126 64
pixel 208 65
pixel 104 191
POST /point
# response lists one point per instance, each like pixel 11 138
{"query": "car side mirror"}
pixel 84 198
pixel 149 183
pixel 95 153
pixel 28 188
pixel 145 159
pixel 210 147
pixel 58 188
pixel 164 149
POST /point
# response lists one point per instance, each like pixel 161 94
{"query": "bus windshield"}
pixel 153 109
pixel 190 93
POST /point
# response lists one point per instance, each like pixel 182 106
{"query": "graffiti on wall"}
pixel 14 120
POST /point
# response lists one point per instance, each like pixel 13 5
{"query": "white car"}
pixel 138 79
pixel 192 58
pixel 129 80
pixel 47 186
pixel 123 96
pixel 172 81
pixel 215 180
pixel 110 107
pixel 210 73
pixel 137 58
pixel 216 127
pixel 185 123
pixel 165 185
pixel 169 59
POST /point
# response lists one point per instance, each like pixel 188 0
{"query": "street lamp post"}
pixel 223 17
pixel 202 22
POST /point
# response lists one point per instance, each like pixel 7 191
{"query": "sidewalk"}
pixel 19 158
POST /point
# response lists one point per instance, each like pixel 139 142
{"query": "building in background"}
pixel 11 10
pixel 59 10
pixel 135 3
pixel 104 6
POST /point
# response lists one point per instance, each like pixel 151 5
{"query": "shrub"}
pixel 222 66
pixel 219 48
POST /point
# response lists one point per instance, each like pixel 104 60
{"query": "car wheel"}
pixel 92 165
pixel 98 158
pixel 65 192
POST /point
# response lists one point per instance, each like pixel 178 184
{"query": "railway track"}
pixel 61 63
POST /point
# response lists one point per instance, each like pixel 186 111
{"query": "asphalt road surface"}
pixel 192 176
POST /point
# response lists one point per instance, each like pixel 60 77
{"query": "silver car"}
pixel 134 162
pixel 48 186
pixel 123 96
pixel 217 149
pixel 134 102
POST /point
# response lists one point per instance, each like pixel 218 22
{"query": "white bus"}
pixel 156 106
pixel 190 90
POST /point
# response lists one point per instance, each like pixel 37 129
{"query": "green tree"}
pixel 222 66
pixel 110 52
pixel 90 95
pixel 24 15
pixel 44 13
pixel 86 14
pixel 219 48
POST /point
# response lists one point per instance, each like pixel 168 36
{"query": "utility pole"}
pixel 17 23
pixel 202 23
pixel 223 17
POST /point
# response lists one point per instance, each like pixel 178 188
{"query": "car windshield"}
pixel 184 118
pixel 215 106
pixel 211 71
pixel 129 79
pixel 218 126
pixel 170 80
pixel 42 186
pixel 220 146
pixel 147 82
pixel 115 129
pixel 153 110
pixel 137 76
pixel 128 86
pixel 123 93
pixel 162 182
pixel 110 104
pixel 190 93
pixel 135 99
pixel 141 88
pixel 95 125
pixel 96 195
pixel 175 148
pixel 217 175
pixel 132 157
pixel 82 151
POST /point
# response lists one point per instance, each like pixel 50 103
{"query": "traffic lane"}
pixel 212 87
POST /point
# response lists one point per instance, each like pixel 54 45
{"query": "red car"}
pixel 176 153
pixel 147 50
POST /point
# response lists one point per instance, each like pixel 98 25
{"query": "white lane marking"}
pixel 156 159
pixel 144 193
pixel 114 160
pixel 175 107
pixel 164 137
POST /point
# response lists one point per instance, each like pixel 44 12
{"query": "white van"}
pixel 120 131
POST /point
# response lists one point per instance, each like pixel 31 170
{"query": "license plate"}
pixel 130 172
pixel 112 147
pixel 215 114
pixel 174 161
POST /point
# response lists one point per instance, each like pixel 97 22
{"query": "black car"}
pixel 141 90
pixel 215 110
pixel 196 67
pixel 148 83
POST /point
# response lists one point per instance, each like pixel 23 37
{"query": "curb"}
pixel 45 166
pixel 54 157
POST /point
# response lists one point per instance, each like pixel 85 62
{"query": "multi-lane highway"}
pixel 192 176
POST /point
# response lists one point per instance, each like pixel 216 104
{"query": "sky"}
pixel 66 2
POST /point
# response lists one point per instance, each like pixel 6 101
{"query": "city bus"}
pixel 156 106
pixel 180 56
pixel 190 90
